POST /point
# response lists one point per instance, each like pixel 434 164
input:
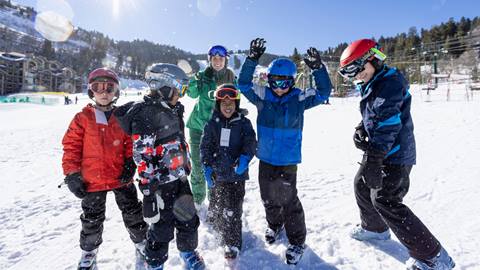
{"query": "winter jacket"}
pixel 96 148
pixel 201 86
pixel 159 147
pixel 223 159
pixel 385 109
pixel 280 119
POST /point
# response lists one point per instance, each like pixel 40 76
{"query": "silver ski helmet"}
pixel 165 78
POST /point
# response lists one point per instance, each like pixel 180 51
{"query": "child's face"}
pixel 227 107
pixel 367 74
pixel 280 91
pixel 175 97
pixel 218 62
pixel 104 98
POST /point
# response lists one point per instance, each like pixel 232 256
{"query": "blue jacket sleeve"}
pixel 249 139
pixel 321 93
pixel 207 145
pixel 245 84
pixel 386 118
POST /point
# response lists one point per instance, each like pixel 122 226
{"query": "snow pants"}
pixel 178 212
pixel 226 199
pixel 197 180
pixel 383 208
pixel 278 190
pixel 93 205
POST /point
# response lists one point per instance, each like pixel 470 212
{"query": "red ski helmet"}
pixel 103 74
pixel 357 54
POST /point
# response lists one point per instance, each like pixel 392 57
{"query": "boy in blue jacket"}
pixel 280 108
pixel 228 144
pixel 385 134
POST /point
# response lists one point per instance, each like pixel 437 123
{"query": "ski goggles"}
pixel 101 87
pixel 162 81
pixel 218 50
pixel 351 70
pixel 282 84
pixel 227 93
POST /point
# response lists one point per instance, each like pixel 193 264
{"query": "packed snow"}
pixel 40 223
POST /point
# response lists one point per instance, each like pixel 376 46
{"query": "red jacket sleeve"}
pixel 73 146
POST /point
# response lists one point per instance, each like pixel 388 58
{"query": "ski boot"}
pixel 193 260
pixel 361 234
pixel 294 253
pixel 88 261
pixel 442 261
pixel 272 235
pixel 231 252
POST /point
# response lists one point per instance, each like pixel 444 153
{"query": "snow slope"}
pixel 40 223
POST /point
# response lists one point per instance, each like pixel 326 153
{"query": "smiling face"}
pixel 227 107
pixel 218 62
pixel 367 74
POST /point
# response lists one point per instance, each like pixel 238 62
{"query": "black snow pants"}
pixel 278 190
pixel 178 212
pixel 226 199
pixel 383 208
pixel 93 205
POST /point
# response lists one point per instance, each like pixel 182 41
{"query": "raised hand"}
pixel 313 59
pixel 257 48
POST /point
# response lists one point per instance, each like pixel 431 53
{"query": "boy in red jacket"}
pixel 98 158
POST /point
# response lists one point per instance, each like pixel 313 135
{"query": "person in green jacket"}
pixel 201 86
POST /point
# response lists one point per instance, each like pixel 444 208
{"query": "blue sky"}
pixel 195 25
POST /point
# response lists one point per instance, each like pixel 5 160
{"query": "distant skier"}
pixel 161 154
pixel 201 86
pixel 97 158
pixel 385 134
pixel 228 144
pixel 280 108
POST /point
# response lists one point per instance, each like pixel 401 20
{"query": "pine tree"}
pixel 47 50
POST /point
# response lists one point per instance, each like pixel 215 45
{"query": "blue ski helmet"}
pixel 282 67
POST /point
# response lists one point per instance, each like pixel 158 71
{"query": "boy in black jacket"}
pixel 228 144
pixel 161 154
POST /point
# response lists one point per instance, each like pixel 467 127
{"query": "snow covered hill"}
pixel 40 223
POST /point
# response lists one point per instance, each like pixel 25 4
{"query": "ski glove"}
pixel 257 48
pixel 128 172
pixel 208 174
pixel 313 60
pixel 76 185
pixel 242 166
pixel 360 137
pixel 372 168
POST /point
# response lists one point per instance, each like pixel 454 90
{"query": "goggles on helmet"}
pixel 282 84
pixel 351 70
pixel 227 93
pixel 218 50
pixel 164 80
pixel 101 87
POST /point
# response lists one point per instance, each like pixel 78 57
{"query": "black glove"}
pixel 372 168
pixel 76 185
pixel 360 137
pixel 128 172
pixel 257 48
pixel 313 59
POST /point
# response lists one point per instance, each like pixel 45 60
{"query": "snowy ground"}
pixel 39 223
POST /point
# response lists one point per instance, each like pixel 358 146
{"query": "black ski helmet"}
pixel 164 78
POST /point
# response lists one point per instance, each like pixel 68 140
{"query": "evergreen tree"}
pixel 47 50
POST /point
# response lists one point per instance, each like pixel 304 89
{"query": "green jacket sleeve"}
pixel 193 86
